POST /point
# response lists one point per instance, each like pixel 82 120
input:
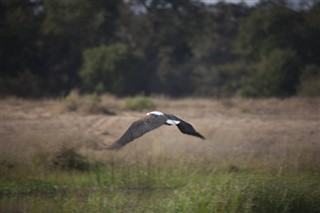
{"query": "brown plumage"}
pixel 152 121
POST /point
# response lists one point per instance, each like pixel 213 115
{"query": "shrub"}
pixel 69 159
pixel 140 103
pixel 276 75
pixel 310 81
pixel 72 101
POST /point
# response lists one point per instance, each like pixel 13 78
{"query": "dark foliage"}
pixel 177 48
pixel 69 159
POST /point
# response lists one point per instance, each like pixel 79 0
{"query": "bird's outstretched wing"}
pixel 139 128
pixel 188 129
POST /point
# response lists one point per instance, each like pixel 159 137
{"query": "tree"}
pixel 114 69
pixel 19 47
pixel 169 47
pixel 278 42
pixel 276 75
pixel 266 29
pixel 43 40
pixel 162 30
pixel 68 28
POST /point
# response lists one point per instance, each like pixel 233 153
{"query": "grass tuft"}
pixel 87 104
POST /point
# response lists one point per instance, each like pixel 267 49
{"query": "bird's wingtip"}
pixel 200 136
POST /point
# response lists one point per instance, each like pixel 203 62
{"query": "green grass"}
pixel 156 186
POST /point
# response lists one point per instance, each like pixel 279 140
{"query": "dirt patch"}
pixel 233 127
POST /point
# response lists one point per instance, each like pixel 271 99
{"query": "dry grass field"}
pixel 258 156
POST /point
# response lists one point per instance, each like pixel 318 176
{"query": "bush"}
pixel 69 159
pixel 140 103
pixel 72 101
pixel 310 81
pixel 277 75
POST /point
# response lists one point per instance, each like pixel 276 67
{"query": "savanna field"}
pixel 259 156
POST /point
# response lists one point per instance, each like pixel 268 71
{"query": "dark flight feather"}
pixel 139 128
pixel 185 127
pixel 188 129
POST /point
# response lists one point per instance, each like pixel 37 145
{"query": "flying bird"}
pixel 151 121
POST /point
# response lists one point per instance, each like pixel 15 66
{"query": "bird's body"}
pixel 151 121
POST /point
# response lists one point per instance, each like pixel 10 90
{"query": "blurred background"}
pixel 248 48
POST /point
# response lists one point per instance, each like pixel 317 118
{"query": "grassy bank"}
pixel 170 187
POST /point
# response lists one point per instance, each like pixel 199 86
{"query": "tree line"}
pixel 172 47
